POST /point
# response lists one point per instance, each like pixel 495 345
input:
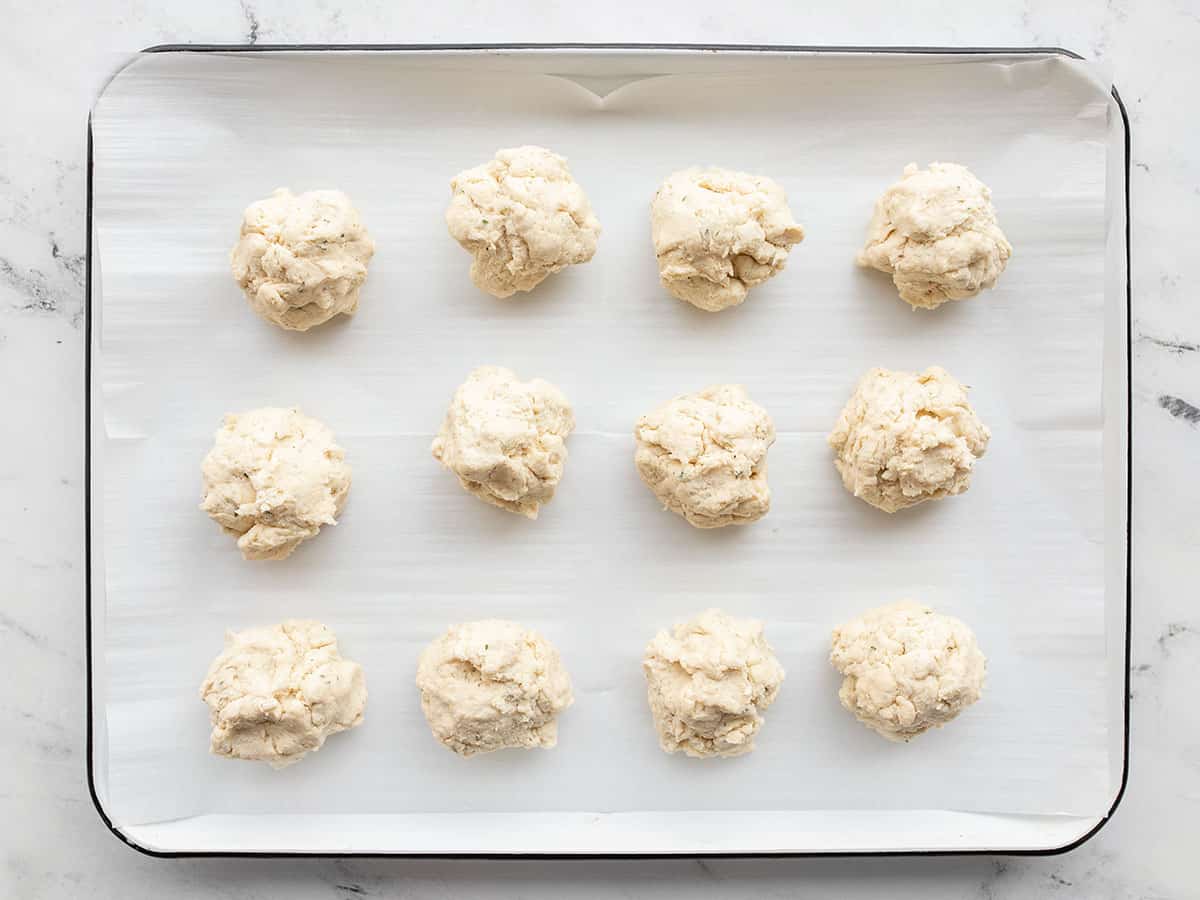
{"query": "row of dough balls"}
pixel 275 476
pixel 302 259
pixel 276 693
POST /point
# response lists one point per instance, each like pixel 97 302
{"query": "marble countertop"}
pixel 56 56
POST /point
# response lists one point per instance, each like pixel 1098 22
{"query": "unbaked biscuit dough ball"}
pixel 935 232
pixel 492 684
pixel 708 682
pixel 276 693
pixel 719 233
pixel 505 439
pixel 907 437
pixel 907 669
pixel 522 217
pixel 704 456
pixel 301 260
pixel 273 477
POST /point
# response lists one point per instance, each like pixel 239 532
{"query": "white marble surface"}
pixel 54 57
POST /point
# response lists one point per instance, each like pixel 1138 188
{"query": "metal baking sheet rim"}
pixel 1092 827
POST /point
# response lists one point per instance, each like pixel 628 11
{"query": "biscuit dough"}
pixel 272 479
pixel 719 233
pixel 708 682
pixel 492 684
pixel 704 456
pixel 906 437
pixel 907 669
pixel 276 693
pixel 301 259
pixel 935 232
pixel 505 439
pixel 522 217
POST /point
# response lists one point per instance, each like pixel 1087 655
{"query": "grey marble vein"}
pixel 9 625
pixel 1179 408
pixel 251 22
pixel 31 287
pixel 1170 345
pixel 1171 632
pixel 987 889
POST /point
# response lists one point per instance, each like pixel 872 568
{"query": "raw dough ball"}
pixel 705 456
pixel 719 233
pixel 708 683
pixel 505 439
pixel 907 668
pixel 935 232
pixel 904 438
pixel 272 479
pixel 302 259
pixel 523 217
pixel 275 693
pixel 492 684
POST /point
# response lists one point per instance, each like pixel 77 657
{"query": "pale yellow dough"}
pixel 708 682
pixel 704 456
pixel 522 217
pixel 907 437
pixel 301 259
pixel 935 232
pixel 505 439
pixel 492 684
pixel 907 669
pixel 719 233
pixel 273 477
pixel 276 693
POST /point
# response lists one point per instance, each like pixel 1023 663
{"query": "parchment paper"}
pixel 184 142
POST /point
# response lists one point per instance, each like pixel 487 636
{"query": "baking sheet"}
pixel 184 142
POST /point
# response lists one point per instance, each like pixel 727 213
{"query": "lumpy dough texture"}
pixel 522 217
pixel 301 260
pixel 719 233
pixel 505 439
pixel 492 684
pixel 708 682
pixel 276 693
pixel 272 479
pixel 705 456
pixel 935 232
pixel 907 437
pixel 907 669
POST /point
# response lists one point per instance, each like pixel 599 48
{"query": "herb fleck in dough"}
pixel 907 437
pixel 276 693
pixel 522 217
pixel 704 456
pixel 273 477
pixel 301 260
pixel 708 682
pixel 719 233
pixel 505 439
pixel 935 232
pixel 907 669
pixel 491 685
